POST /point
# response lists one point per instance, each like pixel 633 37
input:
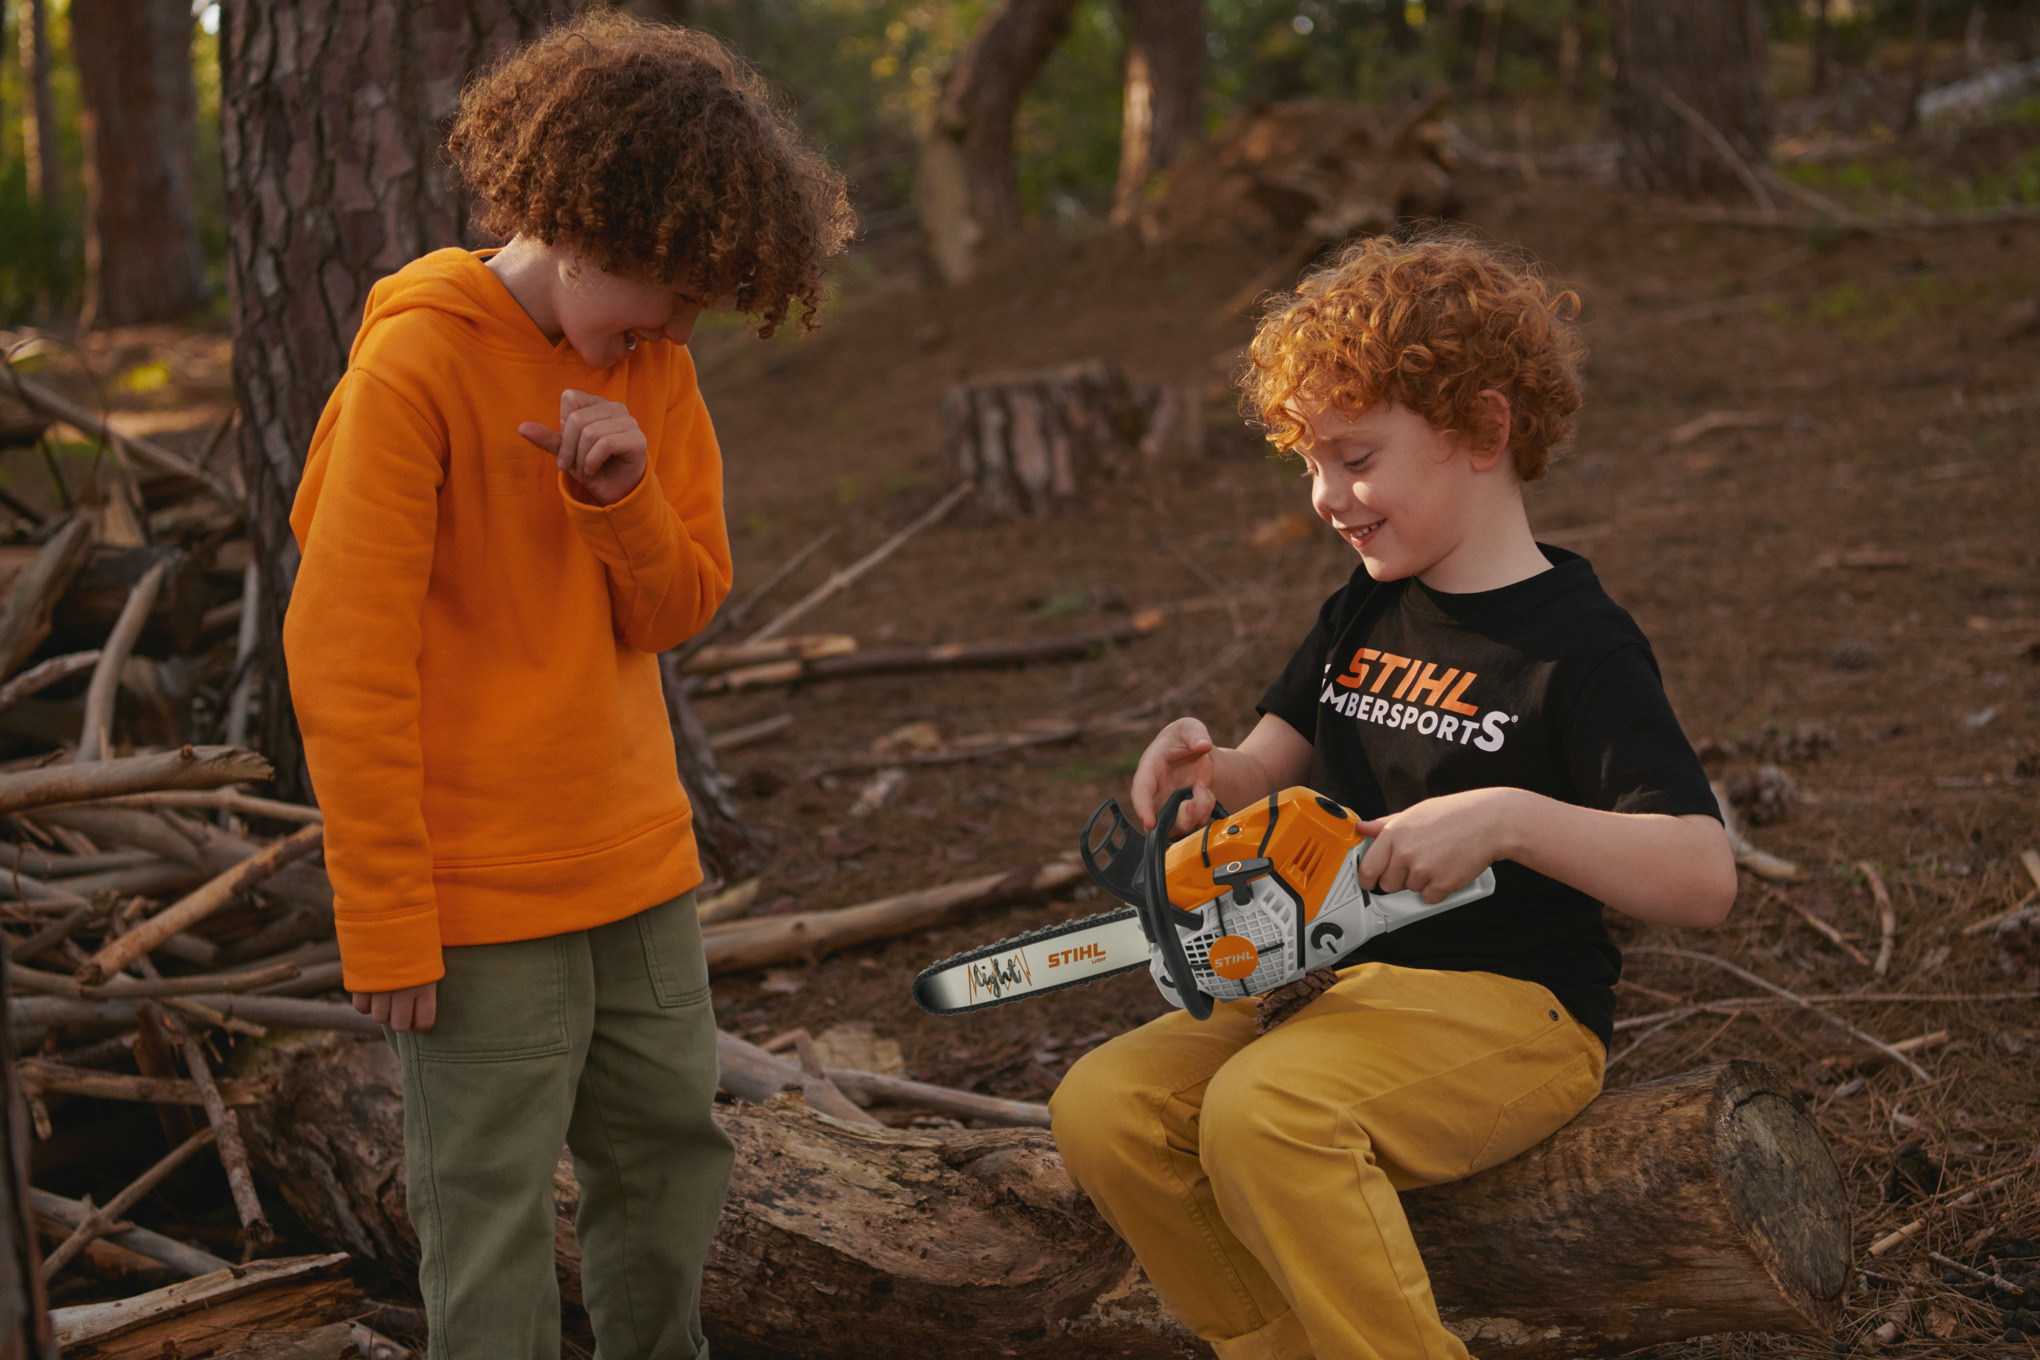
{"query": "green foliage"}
pixel 38 249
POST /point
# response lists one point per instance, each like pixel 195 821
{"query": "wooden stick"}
pixel 873 1087
pixel 842 579
pixel 1991 922
pixel 168 1250
pixel 255 1230
pixel 44 674
pixel 1766 866
pixel 117 954
pixel 196 984
pixel 1839 940
pixel 768 940
pixel 1918 1225
pixel 945 656
pixel 31 1014
pixel 25 617
pixel 96 738
pixel 193 767
pixel 55 932
pixel 43 1075
pixel 1712 136
pixel 1997 1282
pixel 194 800
pixel 1887 916
pixel 731 738
pixel 2031 859
pixel 99 1322
pixel 141 450
pixel 733 616
pixel 734 655
pixel 729 904
pixel 1795 998
pixel 100 1221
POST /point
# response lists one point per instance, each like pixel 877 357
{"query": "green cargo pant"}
pixel 600 1039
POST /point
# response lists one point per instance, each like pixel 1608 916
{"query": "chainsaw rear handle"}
pixel 1160 911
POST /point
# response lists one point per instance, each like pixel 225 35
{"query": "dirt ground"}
pixel 1841 584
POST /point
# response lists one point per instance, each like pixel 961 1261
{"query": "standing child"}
pixel 513 503
pixel 1482 700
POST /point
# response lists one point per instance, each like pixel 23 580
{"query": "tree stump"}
pixel 1039 440
pixel 1700 1203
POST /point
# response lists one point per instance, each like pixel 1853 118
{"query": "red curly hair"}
pixel 1428 324
pixel 658 154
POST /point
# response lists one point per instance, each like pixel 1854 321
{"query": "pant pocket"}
pixel 499 1003
pixel 1540 1112
pixel 671 934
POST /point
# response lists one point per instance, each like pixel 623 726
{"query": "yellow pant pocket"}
pixel 1538 1113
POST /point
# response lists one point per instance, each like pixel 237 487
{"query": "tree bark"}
pixel 1697 1204
pixel 25 1332
pixel 1708 53
pixel 1163 108
pixel 964 187
pixel 140 121
pixel 334 116
pixel 39 109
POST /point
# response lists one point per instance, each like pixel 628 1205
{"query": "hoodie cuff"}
pixel 387 953
pixel 629 531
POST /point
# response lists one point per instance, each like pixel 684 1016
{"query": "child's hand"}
pixel 407 1008
pixel 1179 755
pixel 1438 846
pixel 598 444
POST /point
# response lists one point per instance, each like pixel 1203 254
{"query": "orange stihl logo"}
pixel 1425 685
pixel 1081 954
pixel 1234 956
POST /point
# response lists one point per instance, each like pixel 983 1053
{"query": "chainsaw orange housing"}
pixel 1303 834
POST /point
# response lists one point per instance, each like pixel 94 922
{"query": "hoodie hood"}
pixel 460 287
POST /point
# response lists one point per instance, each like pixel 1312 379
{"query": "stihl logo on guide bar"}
pixel 1086 953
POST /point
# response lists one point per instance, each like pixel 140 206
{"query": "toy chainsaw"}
pixel 1254 901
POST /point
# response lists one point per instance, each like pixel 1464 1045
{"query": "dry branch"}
pixel 194 984
pixel 1918 1225
pixel 141 450
pixel 1887 917
pixel 43 1075
pixel 256 1233
pixel 208 800
pixel 1839 940
pixel 943 656
pixel 733 615
pixel 167 1250
pixel 100 1221
pixel 44 674
pixel 736 655
pixel 731 738
pixel 56 932
pixel 190 767
pixel 96 737
pixel 750 1073
pixel 25 617
pixel 807 936
pixel 1794 997
pixel 118 953
pixel 100 1323
pixel 843 578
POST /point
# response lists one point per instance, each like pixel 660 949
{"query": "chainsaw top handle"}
pixel 1160 918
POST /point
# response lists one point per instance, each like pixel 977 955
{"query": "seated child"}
pixel 512 504
pixel 1480 699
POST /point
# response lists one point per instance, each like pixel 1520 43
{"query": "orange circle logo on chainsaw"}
pixel 1234 956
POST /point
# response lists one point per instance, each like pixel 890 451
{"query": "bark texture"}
pixel 1708 53
pixel 1163 106
pixel 140 119
pixel 1697 1204
pixel 334 116
pixel 38 108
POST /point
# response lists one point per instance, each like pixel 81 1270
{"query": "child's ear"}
pixel 1490 440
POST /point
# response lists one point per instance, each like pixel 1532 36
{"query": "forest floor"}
pixel 1843 582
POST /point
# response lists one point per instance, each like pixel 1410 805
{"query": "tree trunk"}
pixel 142 256
pixel 25 1332
pixel 964 187
pixel 1697 1204
pixel 1708 53
pixel 38 109
pixel 1164 100
pixel 334 118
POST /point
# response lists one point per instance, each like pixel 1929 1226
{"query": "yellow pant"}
pixel 1256 1178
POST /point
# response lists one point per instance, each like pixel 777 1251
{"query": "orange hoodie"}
pixel 473 651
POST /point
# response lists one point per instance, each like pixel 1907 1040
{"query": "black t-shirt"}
pixel 1548 685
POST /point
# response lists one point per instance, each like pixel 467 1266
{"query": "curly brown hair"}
pixel 1428 324
pixel 658 154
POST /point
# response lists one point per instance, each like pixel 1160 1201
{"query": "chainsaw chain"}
pixel 1018 941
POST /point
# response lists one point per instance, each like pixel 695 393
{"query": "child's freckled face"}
pixel 1389 482
pixel 602 315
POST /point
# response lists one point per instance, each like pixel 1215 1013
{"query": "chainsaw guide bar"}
pixel 1051 959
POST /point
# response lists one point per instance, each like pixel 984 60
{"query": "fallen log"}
pixel 189 767
pixel 761 941
pixel 941 657
pixel 38 1075
pixel 1701 1203
pixel 204 1315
